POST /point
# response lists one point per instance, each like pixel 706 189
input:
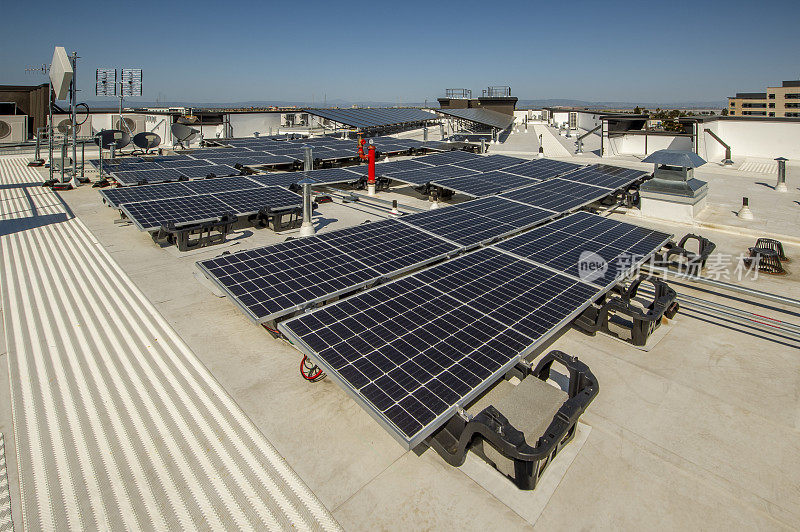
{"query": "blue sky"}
pixel 402 51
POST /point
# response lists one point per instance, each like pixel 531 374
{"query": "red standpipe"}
pixel 371 166
pixel 361 143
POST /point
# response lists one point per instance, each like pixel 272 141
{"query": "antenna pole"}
pixel 50 126
pixel 73 103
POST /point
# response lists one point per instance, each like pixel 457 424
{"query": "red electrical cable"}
pixel 309 377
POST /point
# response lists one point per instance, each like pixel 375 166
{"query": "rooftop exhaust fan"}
pixel 126 124
pixel 183 133
pixel 65 127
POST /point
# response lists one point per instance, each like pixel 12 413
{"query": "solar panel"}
pixel 183 163
pixel 603 175
pixel 137 165
pixel 116 161
pixel 225 153
pixel 215 170
pixel 290 151
pixel 333 155
pixel 589 247
pixel 490 162
pixel 220 184
pixel 279 179
pixel 388 168
pixel 425 175
pixel 331 176
pixel 413 350
pixel 413 177
pixel 448 170
pixel 168 158
pixel 150 215
pixel 275 280
pixel 255 159
pixel 115 197
pixel 557 195
pixel 134 177
pixel 448 157
pixel 277 160
pixel 242 202
pixel 484 117
pixel 484 184
pixel 393 148
pixel 479 221
pixel 541 168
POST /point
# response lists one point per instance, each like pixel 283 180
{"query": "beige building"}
pixel 783 101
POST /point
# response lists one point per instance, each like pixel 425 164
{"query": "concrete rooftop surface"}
pixel 132 396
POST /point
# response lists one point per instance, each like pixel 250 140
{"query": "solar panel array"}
pixel 573 190
pixel 370 118
pixel 484 117
pixel 605 176
pixel 271 281
pixel 221 161
pixel 413 350
pixel 498 173
pixel 484 184
pixel 557 195
pixel 488 163
pixel 478 221
pixel 595 249
pixel 251 152
pixel 152 214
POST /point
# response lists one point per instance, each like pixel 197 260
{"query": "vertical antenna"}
pixel 45 69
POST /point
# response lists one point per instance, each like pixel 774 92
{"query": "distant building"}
pixel 494 98
pixel 783 101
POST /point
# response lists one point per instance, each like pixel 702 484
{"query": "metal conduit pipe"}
pixel 657 270
pixel 369 200
pixel 758 321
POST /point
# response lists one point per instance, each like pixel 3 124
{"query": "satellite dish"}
pixel 146 140
pixel 5 129
pixel 126 124
pixel 112 138
pixel 184 133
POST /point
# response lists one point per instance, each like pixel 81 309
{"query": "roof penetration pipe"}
pixel 308 156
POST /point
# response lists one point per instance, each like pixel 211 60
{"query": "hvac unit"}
pixel 131 124
pixel 63 125
pixel 13 128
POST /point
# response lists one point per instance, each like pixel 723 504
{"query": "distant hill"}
pixel 523 103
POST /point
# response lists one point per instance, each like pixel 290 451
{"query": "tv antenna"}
pixel 119 83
